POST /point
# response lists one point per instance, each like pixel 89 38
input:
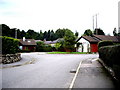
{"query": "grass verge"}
pixel 67 53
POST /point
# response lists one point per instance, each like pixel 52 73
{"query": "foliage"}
pixel 57 45
pixel 110 56
pixel 41 47
pixel 76 34
pixel 88 32
pixel 115 33
pixel 105 43
pixel 60 33
pixel 99 31
pixel 9 45
pixel 69 40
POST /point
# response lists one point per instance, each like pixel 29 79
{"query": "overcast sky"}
pixel 54 14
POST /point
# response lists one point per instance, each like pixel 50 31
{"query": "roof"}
pixel 90 39
pixel 108 38
pixel 28 42
pixel 51 42
pixel 38 40
pixel 97 38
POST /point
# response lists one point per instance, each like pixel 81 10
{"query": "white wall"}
pixel 85 44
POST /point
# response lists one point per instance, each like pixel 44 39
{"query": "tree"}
pixel 5 30
pixel 45 35
pixel 88 32
pixel 53 36
pixel 23 34
pixel 60 33
pixel 115 32
pixel 76 34
pixel 98 31
pixel 41 35
pixel 69 40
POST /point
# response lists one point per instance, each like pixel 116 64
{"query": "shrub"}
pixel 42 47
pixel 104 43
pixel 9 45
pixel 110 54
pixel 111 57
pixel 47 48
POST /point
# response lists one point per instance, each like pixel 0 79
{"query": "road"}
pixel 47 71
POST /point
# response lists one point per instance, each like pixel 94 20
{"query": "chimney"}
pixel 23 38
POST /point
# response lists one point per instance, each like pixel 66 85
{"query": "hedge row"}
pixel 105 43
pixel 9 45
pixel 110 54
pixel 111 57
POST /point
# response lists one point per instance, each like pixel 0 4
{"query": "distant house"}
pixel 90 43
pixel 52 43
pixel 27 44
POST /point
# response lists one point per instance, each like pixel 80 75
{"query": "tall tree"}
pixel 69 40
pixel 60 33
pixel 115 32
pixel 76 34
pixel 5 30
pixel 98 31
pixel 45 35
pixel 88 32
pixel 23 34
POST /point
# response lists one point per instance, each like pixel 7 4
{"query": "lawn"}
pixel 67 53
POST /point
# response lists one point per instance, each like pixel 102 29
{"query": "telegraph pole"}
pixel 16 33
pixel 93 22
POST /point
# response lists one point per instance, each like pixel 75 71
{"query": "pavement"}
pixel 24 61
pixel 91 74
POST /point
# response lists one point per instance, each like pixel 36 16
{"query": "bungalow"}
pixel 90 43
pixel 27 44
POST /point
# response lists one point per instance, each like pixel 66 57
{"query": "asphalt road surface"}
pixel 47 71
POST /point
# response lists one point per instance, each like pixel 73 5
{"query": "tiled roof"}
pixel 90 39
pixel 108 38
pixel 28 42
pixel 97 38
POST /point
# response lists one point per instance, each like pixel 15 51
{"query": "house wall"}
pixel 86 45
pixel 31 48
pixel 94 47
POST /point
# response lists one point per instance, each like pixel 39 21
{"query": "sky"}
pixel 76 15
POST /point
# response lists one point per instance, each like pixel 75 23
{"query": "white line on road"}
pixel 73 81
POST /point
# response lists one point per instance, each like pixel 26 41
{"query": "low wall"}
pixel 10 58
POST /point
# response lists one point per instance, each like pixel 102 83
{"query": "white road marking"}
pixel 74 78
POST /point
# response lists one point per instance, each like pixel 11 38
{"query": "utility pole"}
pixel 96 24
pixel 93 22
pixel 16 33
pixel 96 20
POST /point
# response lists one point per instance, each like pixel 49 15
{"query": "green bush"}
pixel 9 45
pixel 110 54
pixel 111 57
pixel 105 43
pixel 47 48
pixel 42 47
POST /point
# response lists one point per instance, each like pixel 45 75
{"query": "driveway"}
pixel 47 71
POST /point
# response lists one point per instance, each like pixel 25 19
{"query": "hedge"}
pixel 9 45
pixel 110 54
pixel 111 57
pixel 105 43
